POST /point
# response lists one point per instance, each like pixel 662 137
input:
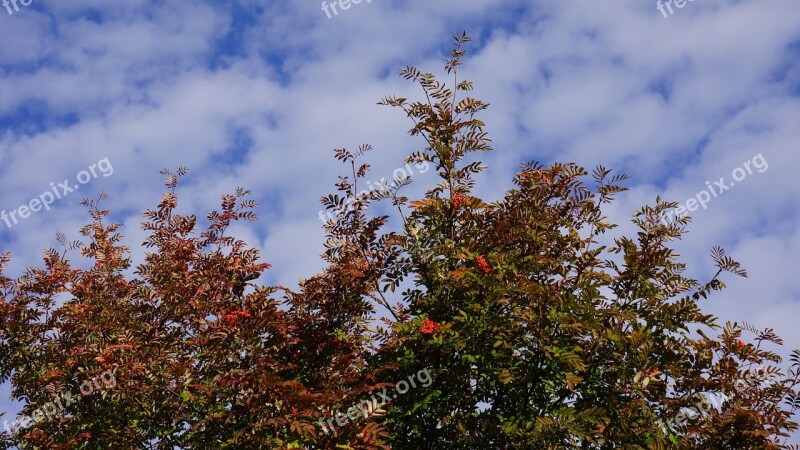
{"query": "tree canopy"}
pixel 457 323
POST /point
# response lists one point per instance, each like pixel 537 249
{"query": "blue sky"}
pixel 257 94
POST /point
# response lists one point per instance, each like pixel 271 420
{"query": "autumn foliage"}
pixel 535 335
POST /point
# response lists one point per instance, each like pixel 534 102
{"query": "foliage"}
pixel 534 333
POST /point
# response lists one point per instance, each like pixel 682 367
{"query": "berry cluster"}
pixel 459 199
pixel 484 266
pixel 430 327
pixel 234 316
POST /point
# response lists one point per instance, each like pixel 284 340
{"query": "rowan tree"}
pixel 537 335
pixel 202 357
pixel 540 325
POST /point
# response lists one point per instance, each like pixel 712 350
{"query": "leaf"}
pixel 571 380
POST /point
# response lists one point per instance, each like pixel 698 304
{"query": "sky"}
pixel 699 98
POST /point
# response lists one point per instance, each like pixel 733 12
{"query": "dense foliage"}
pixel 528 331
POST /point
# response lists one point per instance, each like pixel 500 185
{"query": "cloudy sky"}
pixel 258 93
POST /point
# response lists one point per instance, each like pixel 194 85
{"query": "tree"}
pixel 201 357
pixel 531 333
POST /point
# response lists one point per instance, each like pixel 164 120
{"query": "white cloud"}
pixel 672 101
